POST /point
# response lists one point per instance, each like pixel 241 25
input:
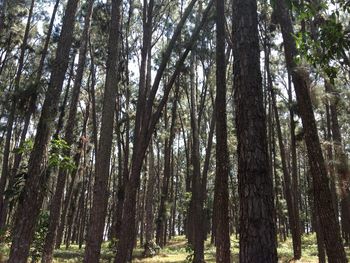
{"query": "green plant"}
pixel 39 237
pixel 190 256
pixel 59 155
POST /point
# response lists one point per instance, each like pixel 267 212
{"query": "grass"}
pixel 177 251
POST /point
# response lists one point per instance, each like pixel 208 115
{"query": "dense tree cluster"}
pixel 135 121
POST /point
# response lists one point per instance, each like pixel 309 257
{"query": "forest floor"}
pixel 177 251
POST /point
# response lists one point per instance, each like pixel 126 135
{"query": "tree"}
pixel 222 234
pixel 257 229
pixel 100 197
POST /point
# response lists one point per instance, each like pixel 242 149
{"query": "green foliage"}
pixel 190 251
pixel 59 155
pixel 27 147
pixel 329 41
pixel 39 237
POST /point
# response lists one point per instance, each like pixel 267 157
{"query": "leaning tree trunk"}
pixel 35 188
pixel 257 226
pixel 55 209
pixel 322 194
pixel 100 193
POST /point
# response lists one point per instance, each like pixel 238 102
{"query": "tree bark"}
pixel 222 235
pixel 257 226
pixel 100 193
pixel 196 203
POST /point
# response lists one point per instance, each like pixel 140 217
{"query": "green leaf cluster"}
pixel 59 155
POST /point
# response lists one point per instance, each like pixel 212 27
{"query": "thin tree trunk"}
pixel 150 196
pixel 167 171
pixel 222 234
pixel 100 199
pixel 196 207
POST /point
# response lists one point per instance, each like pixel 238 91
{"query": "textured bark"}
pixel 34 191
pixel 257 226
pixel 55 209
pixel 322 194
pixel 222 235
pixel 100 191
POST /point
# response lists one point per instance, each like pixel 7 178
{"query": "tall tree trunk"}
pixel 162 217
pixel 222 235
pixel 329 160
pixel 100 198
pixel 257 226
pixel 150 196
pixel 321 190
pixel 294 169
pixel 34 190
pixel 196 204
pixel 55 209
pixel 296 237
